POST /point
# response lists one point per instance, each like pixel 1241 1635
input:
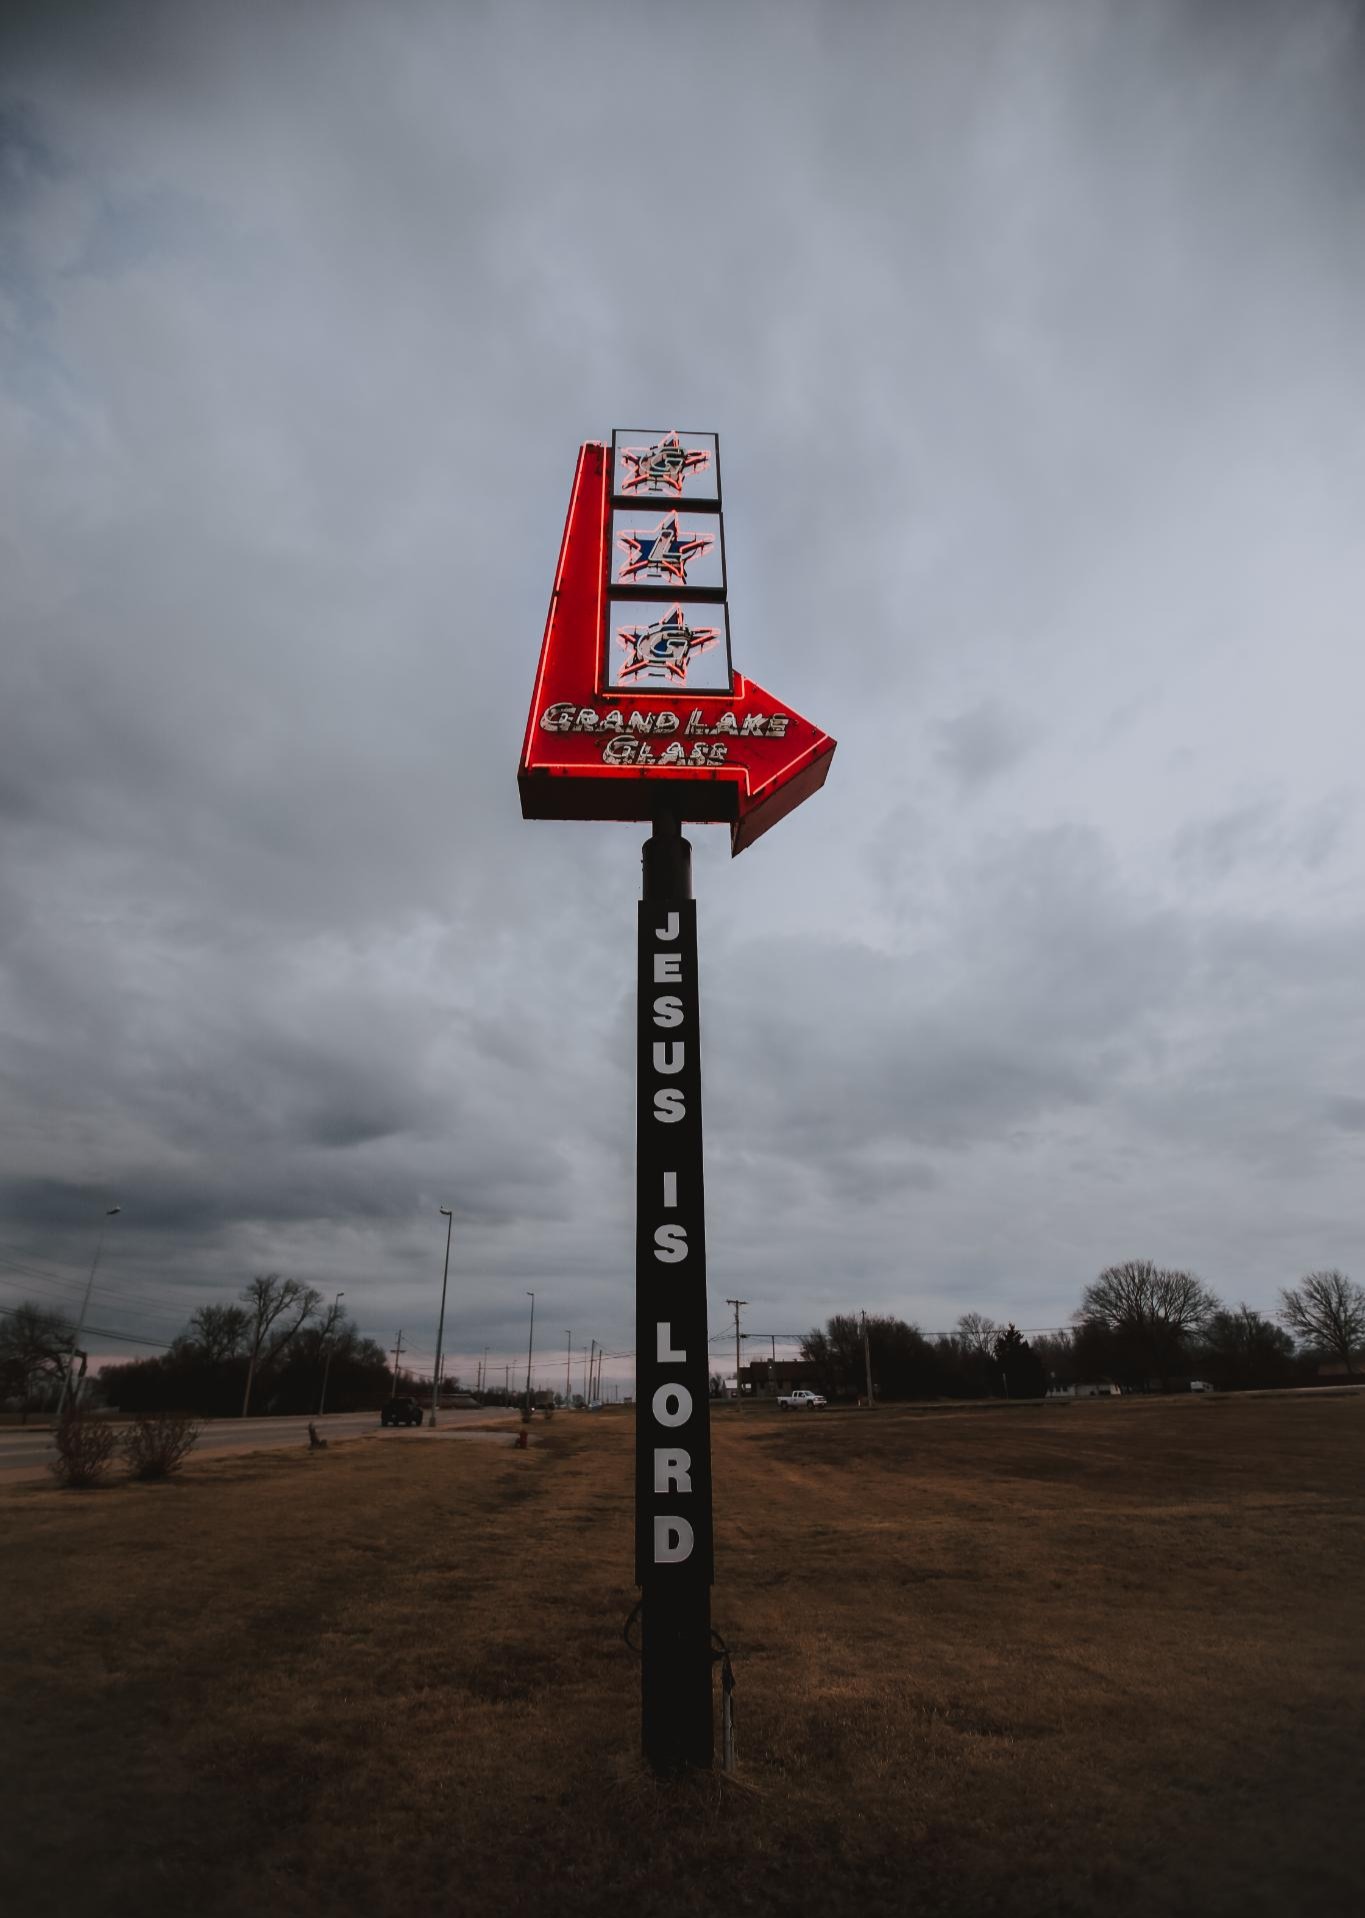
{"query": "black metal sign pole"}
pixel 673 1545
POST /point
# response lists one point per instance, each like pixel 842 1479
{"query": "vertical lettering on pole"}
pixel 673 1534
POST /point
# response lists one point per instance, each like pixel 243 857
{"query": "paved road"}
pixel 25 1450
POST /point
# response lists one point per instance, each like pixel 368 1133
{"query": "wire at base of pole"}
pixel 721 1656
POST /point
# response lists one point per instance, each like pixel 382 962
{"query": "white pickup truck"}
pixel 800 1401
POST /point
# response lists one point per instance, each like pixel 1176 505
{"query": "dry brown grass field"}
pixel 1100 1658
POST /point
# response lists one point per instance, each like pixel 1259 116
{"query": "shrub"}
pixel 84 1449
pixel 158 1443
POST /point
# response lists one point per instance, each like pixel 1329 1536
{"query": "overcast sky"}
pixel 1033 334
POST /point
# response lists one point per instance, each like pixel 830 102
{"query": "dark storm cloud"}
pixel 1033 338
pixel 978 745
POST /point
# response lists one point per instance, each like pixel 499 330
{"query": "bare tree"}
pixel 1150 1311
pixel 976 1333
pixel 1241 1348
pixel 273 1302
pixel 336 1312
pixel 1327 1311
pixel 34 1346
pixel 1055 1351
pixel 219 1332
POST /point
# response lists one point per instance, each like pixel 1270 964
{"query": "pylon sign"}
pixel 638 713
pixel 638 709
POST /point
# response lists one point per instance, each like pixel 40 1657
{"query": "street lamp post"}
pixel 449 1218
pixel 530 1342
pixel 85 1305
pixel 327 1366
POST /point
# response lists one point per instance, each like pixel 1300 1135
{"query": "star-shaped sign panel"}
pixel 660 645
pixel 662 651
pixel 666 465
pixel 682 550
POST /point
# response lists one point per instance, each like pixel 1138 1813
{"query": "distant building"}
pixel 766 1378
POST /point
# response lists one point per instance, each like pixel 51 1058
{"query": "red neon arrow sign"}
pixel 594 751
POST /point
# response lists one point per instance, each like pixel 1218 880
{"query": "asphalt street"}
pixel 26 1450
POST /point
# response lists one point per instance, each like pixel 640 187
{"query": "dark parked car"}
pixel 401 1412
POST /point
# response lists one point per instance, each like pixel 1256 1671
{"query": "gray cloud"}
pixel 1033 341
pixel 1258 834
pixel 979 745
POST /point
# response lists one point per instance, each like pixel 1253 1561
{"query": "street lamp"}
pixel 85 1303
pixel 332 1319
pixel 530 1340
pixel 449 1218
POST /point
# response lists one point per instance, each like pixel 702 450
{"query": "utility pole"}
pixel 737 1303
pixel 507 1383
pixel 587 1373
pixel 327 1368
pixel 110 1211
pixel 568 1386
pixel 483 1371
pixel 441 1322
pixel 397 1354
pixel 530 1343
pixel 867 1359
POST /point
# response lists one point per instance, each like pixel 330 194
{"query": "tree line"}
pixel 268 1352
pixel 1139 1326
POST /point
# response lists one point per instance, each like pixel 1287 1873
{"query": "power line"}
pixel 103 1332
pixel 128 1338
pixel 37 1276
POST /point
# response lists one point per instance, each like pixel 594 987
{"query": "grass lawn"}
pixel 1092 1658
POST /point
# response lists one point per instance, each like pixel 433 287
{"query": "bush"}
pixel 158 1443
pixel 84 1449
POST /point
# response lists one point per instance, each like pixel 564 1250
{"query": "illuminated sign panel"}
pixel 668 549
pixel 658 646
pixel 665 465
pixel 637 707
